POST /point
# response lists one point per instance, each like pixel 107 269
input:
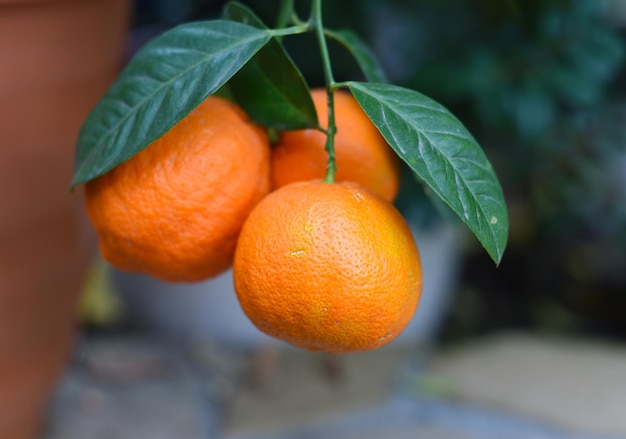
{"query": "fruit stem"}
pixel 316 17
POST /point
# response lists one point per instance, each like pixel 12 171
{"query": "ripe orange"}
pixel 175 209
pixel 327 267
pixel 362 154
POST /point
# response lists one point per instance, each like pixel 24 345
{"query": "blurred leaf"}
pixel 163 83
pixel 571 86
pixel 99 305
pixel 362 54
pixel 239 12
pixel 598 56
pixel 532 110
pixel 443 154
pixel 270 88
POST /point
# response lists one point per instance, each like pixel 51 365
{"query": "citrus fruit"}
pixel 361 153
pixel 175 209
pixel 327 267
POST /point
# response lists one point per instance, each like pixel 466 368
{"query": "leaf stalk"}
pixel 292 30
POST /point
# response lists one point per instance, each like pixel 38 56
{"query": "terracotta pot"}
pixel 58 58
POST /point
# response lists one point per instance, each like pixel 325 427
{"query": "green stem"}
pixel 293 30
pixel 284 13
pixel 316 17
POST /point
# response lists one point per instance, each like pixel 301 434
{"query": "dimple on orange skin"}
pixel 327 267
pixel 361 153
pixel 175 209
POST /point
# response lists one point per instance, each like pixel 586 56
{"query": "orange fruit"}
pixel 175 209
pixel 361 153
pixel 327 267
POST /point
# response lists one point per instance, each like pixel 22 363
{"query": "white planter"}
pixel 440 254
pixel 204 310
pixel 209 310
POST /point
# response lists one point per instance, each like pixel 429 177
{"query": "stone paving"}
pixel 134 387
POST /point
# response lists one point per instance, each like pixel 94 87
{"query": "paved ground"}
pixel 512 386
pixel 576 384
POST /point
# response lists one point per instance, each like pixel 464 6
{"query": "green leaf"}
pixel 163 83
pixel 362 54
pixel 443 154
pixel 270 88
pixel 239 12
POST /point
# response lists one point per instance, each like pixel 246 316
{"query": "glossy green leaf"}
pixel 443 154
pixel 362 54
pixel 270 88
pixel 163 83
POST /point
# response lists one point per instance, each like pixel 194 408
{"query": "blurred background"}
pixel 532 348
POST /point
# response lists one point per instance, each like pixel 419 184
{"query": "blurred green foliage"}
pixel 541 83
pixel 519 64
